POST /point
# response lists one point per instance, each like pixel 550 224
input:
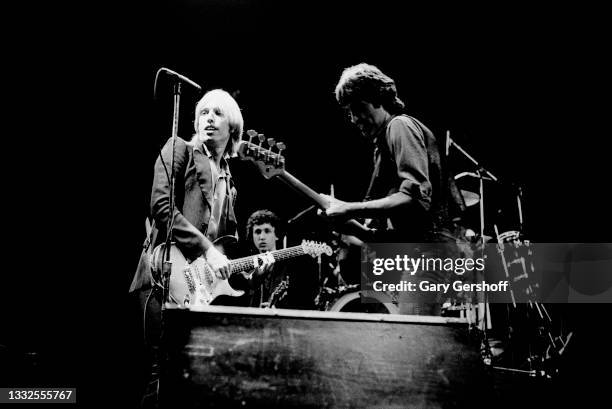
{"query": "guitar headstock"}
pixel 315 249
pixel 268 162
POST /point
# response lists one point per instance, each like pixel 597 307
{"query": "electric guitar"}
pixel 195 284
pixel 272 164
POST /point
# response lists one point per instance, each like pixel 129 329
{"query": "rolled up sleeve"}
pixel 407 145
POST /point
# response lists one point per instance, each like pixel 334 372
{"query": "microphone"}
pixel 180 77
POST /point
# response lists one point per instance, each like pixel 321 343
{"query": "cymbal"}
pixel 470 198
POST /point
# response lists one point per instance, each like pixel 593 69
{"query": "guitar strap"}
pixel 148 249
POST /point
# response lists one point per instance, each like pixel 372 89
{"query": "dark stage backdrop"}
pixel 518 87
pixel 501 85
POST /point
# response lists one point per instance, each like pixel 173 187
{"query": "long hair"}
pixel 230 108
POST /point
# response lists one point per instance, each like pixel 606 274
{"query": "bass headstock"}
pixel 268 162
pixel 315 249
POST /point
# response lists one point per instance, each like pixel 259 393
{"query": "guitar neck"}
pixel 248 263
pixel 300 187
pixel 272 164
pixel 351 226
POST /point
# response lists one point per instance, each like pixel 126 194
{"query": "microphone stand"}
pixel 162 354
pixel 482 174
pixel 166 269
pixel 167 264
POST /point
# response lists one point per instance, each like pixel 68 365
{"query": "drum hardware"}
pixel 327 296
pixel 517 261
pixel 516 255
pixel 543 348
pixel 481 174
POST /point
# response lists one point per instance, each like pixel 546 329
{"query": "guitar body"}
pixel 193 283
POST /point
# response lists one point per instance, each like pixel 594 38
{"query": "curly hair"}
pixel 261 217
pixel 365 82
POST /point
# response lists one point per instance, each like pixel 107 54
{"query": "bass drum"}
pixel 373 304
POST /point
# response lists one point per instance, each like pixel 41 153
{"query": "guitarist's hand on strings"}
pixel 339 212
pixel 218 262
pixel 337 208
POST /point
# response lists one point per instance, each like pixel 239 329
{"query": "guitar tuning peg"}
pixel 271 143
pixel 251 134
pixel 281 147
pixel 261 138
pixel 269 153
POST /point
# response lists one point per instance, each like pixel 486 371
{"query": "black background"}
pixel 521 88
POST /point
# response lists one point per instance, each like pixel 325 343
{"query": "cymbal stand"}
pixel 483 321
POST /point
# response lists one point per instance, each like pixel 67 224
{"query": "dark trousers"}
pixel 145 313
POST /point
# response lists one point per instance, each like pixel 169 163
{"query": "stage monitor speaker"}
pixel 224 357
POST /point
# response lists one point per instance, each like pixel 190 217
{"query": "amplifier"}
pixel 222 357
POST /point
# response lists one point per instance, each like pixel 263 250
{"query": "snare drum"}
pixel 377 303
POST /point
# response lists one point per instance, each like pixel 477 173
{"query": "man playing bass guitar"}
pixel 411 199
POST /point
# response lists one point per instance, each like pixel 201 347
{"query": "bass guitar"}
pixel 272 164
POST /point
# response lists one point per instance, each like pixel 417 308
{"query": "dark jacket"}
pixel 193 204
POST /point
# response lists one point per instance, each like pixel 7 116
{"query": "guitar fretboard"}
pixel 248 263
